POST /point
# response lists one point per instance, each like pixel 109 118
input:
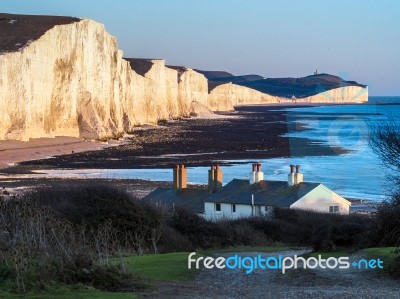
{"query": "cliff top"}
pixel 16 31
pixel 284 87
pixel 210 75
pixel 177 68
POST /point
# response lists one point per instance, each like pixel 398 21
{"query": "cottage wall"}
pixel 320 199
pixel 242 211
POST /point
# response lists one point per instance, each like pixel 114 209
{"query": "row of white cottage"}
pixel 245 198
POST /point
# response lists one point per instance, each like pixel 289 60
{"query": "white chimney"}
pixel 252 175
pixel 298 176
pixel 256 175
pixel 291 176
pixel 259 173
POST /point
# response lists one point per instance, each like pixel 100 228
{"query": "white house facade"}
pixel 254 197
pixel 323 199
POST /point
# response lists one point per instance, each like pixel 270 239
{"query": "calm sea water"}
pixel 358 174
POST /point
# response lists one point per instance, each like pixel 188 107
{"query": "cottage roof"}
pixel 191 199
pixel 267 193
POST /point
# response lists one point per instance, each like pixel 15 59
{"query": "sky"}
pixel 357 40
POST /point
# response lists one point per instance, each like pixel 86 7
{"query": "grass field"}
pixel 174 267
pixel 247 249
pixel 386 254
pixel 168 266
pixel 327 254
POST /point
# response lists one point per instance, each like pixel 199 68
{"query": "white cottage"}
pixel 252 197
pixel 256 196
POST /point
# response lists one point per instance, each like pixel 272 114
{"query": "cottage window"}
pixel 233 208
pixel 334 209
pixel 218 207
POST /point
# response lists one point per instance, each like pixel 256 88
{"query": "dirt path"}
pixel 318 283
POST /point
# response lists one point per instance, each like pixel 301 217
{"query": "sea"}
pixel 357 174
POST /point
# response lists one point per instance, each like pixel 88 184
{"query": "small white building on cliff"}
pixel 253 197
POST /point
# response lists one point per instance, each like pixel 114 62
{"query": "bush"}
pixel 71 245
pixel 320 230
pixel 136 224
pixel 387 229
pixel 173 241
pixel 201 233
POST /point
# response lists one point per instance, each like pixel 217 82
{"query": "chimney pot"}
pixel 298 175
pixel 254 167
pixel 291 168
pixel 217 176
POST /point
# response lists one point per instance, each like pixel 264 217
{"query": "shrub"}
pixel 137 224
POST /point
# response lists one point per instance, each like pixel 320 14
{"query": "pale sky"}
pixel 358 40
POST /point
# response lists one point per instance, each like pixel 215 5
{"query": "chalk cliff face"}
pixel 73 81
pixel 348 94
pixel 227 95
pixel 68 82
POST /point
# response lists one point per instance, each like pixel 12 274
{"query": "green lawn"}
pixel 173 266
pixel 386 254
pixel 274 248
pixel 326 254
pixel 168 266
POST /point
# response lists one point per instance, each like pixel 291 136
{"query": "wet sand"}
pixel 13 152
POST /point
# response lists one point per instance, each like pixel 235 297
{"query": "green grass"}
pixel 386 254
pixel 168 266
pixel 246 249
pixel 173 266
pixel 326 254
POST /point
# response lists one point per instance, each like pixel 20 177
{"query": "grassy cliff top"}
pixel 282 87
pixel 16 31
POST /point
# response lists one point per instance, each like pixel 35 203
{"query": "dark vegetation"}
pixel 16 31
pixel 385 141
pixel 70 235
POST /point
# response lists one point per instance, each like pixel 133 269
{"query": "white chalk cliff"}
pixel 74 81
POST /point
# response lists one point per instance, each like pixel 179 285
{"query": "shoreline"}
pixel 237 135
pixel 13 152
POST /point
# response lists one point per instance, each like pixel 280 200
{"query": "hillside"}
pixel 284 87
